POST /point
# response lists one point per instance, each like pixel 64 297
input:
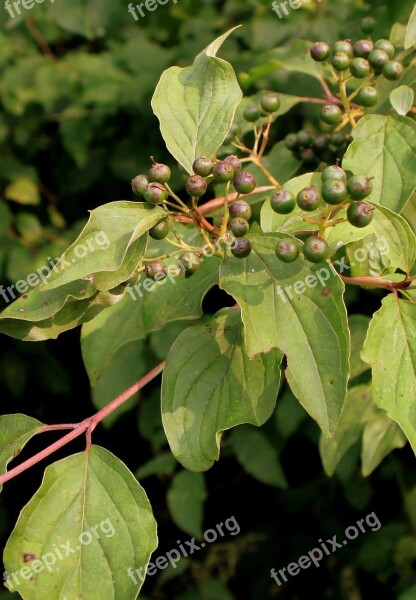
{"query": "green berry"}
pixel 239 226
pixel 270 102
pixel 393 70
pixel 337 139
pixel 139 184
pixel 360 214
pixel 378 58
pixel 320 142
pixel 203 166
pixel 362 48
pixel 282 202
pixel 155 193
pixel 241 248
pixel 240 208
pixel 343 46
pixel 159 173
pixel 334 192
pixel 235 162
pixel 334 172
pixel 359 186
pixel 385 45
pixel 244 182
pixel 368 24
pixel 309 199
pixel 304 139
pixel 231 135
pixel 367 96
pixel 251 113
pixel 331 114
pixel 191 262
pixel 223 171
pixel 196 185
pixel 320 51
pixel 307 155
pixel 160 230
pixel 360 68
pixel 287 250
pixel 291 141
pixel 155 270
pixel 315 249
pixel 340 61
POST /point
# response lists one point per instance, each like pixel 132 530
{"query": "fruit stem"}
pixel 178 200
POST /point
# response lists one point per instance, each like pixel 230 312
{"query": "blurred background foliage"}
pixel 75 127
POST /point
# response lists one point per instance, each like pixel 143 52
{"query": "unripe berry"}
pixel 240 208
pixel 320 142
pixel 251 113
pixel 155 193
pixel 337 139
pixel 304 139
pixel 203 166
pixel 334 192
pixel 385 45
pixel 343 46
pixel 282 202
pixel 377 59
pixel 341 61
pixel 270 102
pixel 231 134
pixel 362 48
pixel 235 162
pixel 393 70
pixel 291 141
pixel 359 186
pixel 331 114
pixel 196 185
pixel 155 270
pixel 287 250
pixel 309 199
pixel 367 96
pixel 191 262
pixel 320 51
pixel 241 248
pixel 159 173
pixel 139 184
pixel 360 68
pixel 223 171
pixel 307 155
pixel 239 227
pixel 360 214
pixel 368 24
pixel 315 249
pixel 160 230
pixel 334 172
pixel 244 182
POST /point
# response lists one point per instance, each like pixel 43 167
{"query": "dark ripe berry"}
pixel 231 135
pixel 334 172
pixel 155 193
pixel 343 46
pixel 360 68
pixel 334 192
pixel 191 262
pixel 291 141
pixel 320 51
pixel 155 270
pixel 244 182
pixel 368 24
pixel 362 48
pixel 360 214
pixel 239 226
pixel 341 61
pixel 320 142
pixel 385 45
pixel 282 202
pixel 235 162
pixel 223 171
pixel 139 184
pixel 309 199
pixel 159 173
pixel 337 139
pixel 160 230
pixel 359 186
pixel 304 139
pixel 196 185
pixel 378 58
pixel 367 96
pixel 270 102
pixel 315 249
pixel 203 166
pixel 240 208
pixel 393 70
pixel 307 155
pixel 251 113
pixel 331 114
pixel 287 250
pixel 241 248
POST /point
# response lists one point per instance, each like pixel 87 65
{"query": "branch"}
pixel 87 426
pixel 39 39
pixel 379 282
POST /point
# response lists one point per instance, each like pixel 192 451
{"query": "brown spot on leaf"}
pixel 28 556
pixel 45 303
pixel 326 291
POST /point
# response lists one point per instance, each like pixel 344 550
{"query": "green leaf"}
pixel 258 457
pixel 390 349
pixel 91 511
pixel 381 436
pixel 185 499
pixel 385 148
pixel 196 105
pixel 357 410
pixel 410 39
pixel 358 325
pixel 15 431
pixel 401 99
pixel 308 324
pixel 368 256
pixel 163 464
pixel 23 191
pixel 220 388
pixel 397 236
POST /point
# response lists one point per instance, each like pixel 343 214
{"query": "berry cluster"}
pixel 269 104
pixel 337 190
pixel 323 147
